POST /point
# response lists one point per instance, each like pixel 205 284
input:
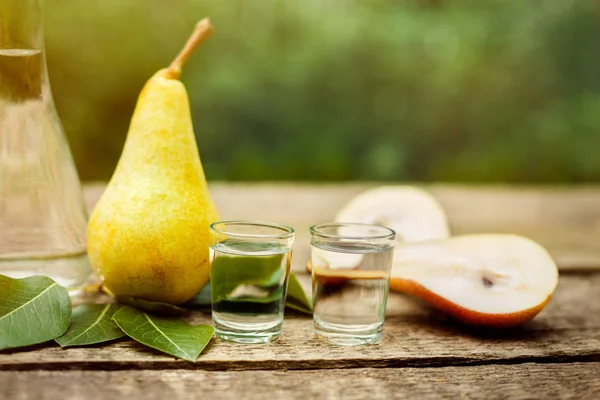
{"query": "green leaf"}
pixel 91 324
pixel 153 307
pixel 229 272
pixel 273 280
pixel 171 335
pixel 296 297
pixel 32 310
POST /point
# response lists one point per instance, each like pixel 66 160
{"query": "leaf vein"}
pixel 98 320
pixel 163 334
pixel 28 302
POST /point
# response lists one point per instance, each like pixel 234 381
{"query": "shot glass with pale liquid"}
pixel 249 278
pixel 351 266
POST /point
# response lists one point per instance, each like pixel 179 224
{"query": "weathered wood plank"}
pixel 524 381
pixel 411 346
pixel 567 330
pixel 563 219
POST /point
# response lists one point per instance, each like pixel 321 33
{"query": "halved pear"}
pixel 494 280
pixel 411 212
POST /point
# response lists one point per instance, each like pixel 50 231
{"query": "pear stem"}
pixel 202 31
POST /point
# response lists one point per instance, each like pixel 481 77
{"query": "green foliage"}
pixel 36 310
pixel 170 335
pixel 227 273
pixel 296 297
pixel 91 324
pixel 32 310
pixel 499 90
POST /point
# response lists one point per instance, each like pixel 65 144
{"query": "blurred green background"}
pixel 321 90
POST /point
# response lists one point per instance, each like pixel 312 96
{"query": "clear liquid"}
pixel 350 288
pixel 42 215
pixel 248 289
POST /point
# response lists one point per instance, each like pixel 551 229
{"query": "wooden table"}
pixel 422 354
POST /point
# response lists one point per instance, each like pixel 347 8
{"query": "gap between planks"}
pixel 326 365
pixel 524 381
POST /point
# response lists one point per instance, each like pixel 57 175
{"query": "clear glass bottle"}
pixel 42 213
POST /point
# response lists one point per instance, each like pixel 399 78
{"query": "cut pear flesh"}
pixel 411 212
pixel 489 279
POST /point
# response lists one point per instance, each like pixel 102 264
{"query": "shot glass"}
pixel 351 266
pixel 249 278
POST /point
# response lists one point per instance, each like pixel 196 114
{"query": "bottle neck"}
pixel 21 25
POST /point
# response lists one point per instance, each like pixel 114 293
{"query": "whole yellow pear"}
pixel 148 235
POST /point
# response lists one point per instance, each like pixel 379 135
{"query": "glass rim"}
pixel 315 231
pixel 287 231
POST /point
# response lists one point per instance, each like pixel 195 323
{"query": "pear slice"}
pixel 493 280
pixel 411 212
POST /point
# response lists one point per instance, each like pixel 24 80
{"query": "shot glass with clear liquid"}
pixel 351 266
pixel 249 278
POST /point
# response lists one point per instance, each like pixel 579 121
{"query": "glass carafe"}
pixel 42 213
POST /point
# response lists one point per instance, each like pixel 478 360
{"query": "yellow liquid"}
pixel 21 74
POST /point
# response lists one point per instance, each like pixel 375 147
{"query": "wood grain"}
pixel 566 220
pixel 524 381
pixel 414 335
